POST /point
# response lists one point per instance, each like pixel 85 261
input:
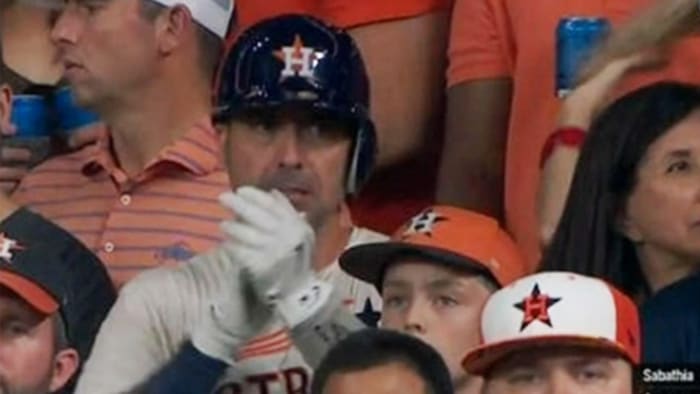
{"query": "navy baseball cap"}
pixel 56 274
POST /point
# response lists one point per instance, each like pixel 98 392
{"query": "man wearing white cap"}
pixel 557 332
pixel 147 195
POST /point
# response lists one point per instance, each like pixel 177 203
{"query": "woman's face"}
pixel 663 211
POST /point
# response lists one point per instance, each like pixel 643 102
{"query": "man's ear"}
pixel 65 365
pixel 5 103
pixel 172 27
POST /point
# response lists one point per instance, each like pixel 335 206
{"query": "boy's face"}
pixel 436 304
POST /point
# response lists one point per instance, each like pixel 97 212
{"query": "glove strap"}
pixel 305 302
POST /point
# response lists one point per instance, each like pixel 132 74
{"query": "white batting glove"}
pixel 274 244
pixel 233 316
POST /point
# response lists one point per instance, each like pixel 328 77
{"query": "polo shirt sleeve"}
pixel 354 13
pixel 480 42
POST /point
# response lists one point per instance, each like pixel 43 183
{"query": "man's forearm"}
pixel 405 100
pixel 473 159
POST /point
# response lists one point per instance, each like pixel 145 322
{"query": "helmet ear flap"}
pixel 325 71
pixel 362 157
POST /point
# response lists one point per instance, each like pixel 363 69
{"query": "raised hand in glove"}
pixel 275 244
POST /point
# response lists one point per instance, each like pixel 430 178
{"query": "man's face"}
pixel 436 304
pixel 560 370
pixel 26 347
pixel 386 379
pixel 107 47
pixel 293 150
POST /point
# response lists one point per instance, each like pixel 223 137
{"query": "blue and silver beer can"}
pixel 577 37
pixel 30 114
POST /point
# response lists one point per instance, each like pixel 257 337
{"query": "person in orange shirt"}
pixel 403 44
pixel 502 105
pixel 147 195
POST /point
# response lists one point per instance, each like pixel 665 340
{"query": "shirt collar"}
pixel 198 152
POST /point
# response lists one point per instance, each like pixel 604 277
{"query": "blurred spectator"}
pixel 631 214
pixel 381 361
pixel 671 324
pixel 28 64
pixel 403 44
pixel 147 195
pixel 298 138
pixel 435 276
pixel 502 105
pixel 54 294
pixel 28 56
pixel 557 332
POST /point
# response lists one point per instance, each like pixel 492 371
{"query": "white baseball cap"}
pixel 214 15
pixel 555 308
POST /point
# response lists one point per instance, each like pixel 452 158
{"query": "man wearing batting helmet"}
pixel 292 106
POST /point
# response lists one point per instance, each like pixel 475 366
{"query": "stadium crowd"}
pixel 349 196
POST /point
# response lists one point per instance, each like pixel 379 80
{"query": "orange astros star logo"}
pixel 299 60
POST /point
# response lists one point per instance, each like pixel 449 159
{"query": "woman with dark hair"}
pixel 632 215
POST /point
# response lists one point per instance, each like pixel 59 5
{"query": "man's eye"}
pixel 592 374
pixel 14 329
pixel 523 376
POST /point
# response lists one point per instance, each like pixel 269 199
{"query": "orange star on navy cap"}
pixel 555 308
pixel 55 274
pixel 449 236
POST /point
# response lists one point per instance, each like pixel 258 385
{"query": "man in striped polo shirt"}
pixel 146 196
pixel 293 108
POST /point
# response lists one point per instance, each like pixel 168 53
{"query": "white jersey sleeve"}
pixel 150 321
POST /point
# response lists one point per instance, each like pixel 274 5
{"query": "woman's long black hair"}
pixel 588 239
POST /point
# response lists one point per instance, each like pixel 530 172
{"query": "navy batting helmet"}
pixel 300 59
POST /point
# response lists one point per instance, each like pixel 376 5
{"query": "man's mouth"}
pixel 72 67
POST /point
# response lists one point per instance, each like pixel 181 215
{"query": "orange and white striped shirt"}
pixel 166 214
pixel 158 311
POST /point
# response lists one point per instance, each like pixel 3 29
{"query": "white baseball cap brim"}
pixel 214 15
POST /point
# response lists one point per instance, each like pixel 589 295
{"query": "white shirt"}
pixel 156 313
